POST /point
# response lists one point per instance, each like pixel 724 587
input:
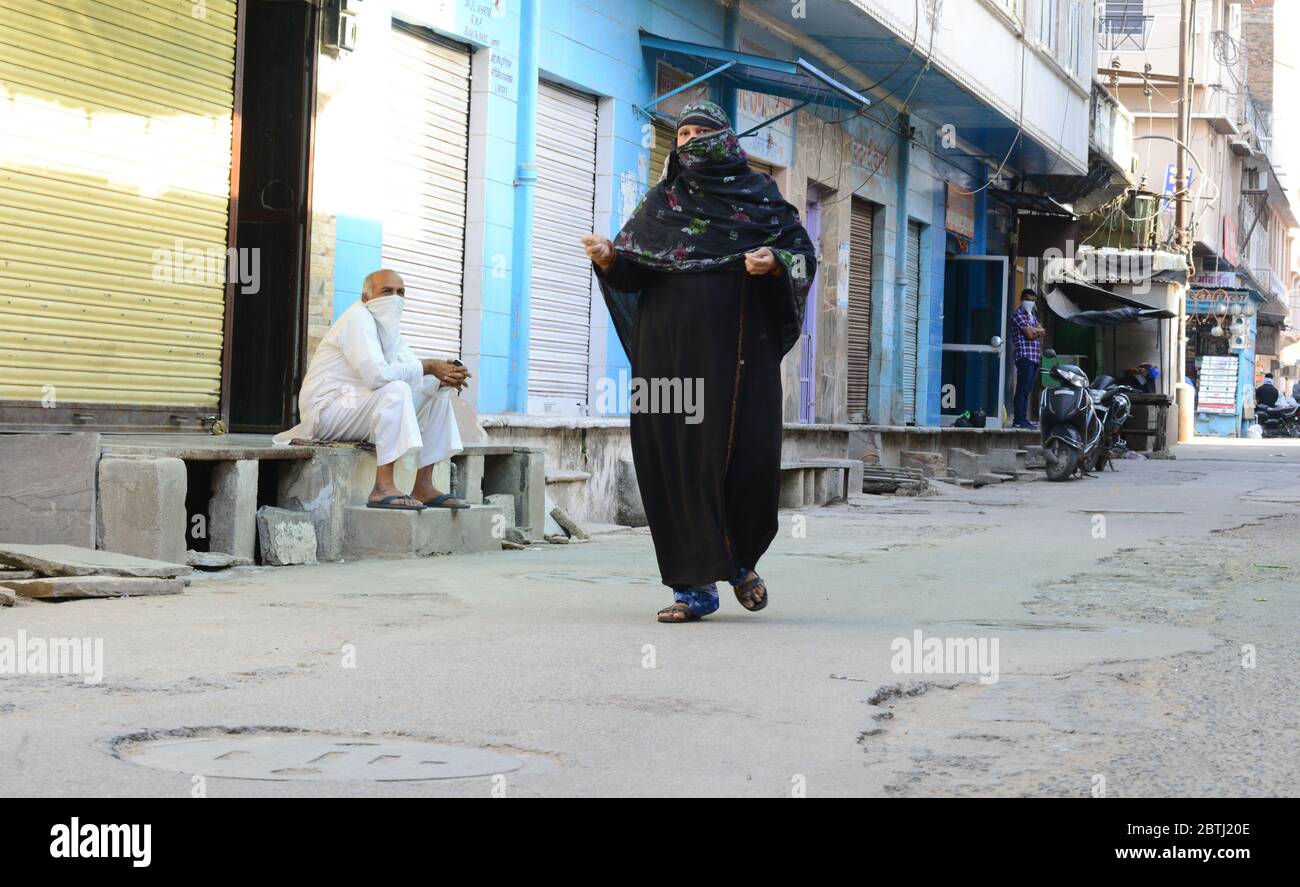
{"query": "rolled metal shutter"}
pixel 664 142
pixel 564 211
pixel 115 152
pixel 911 322
pixel 425 184
pixel 861 232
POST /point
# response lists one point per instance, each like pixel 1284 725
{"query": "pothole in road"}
pixel 286 755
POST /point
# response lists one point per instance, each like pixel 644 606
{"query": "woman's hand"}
pixel 762 261
pixel 599 250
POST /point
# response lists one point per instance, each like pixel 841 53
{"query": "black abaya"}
pixel 710 489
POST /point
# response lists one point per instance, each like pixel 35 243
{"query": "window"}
pixel 1048 23
pixel 1125 25
pixel 1013 8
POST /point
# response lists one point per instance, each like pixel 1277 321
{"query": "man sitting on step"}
pixel 364 383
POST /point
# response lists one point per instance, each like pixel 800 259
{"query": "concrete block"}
pixel 521 474
pixel 931 464
pixel 467 478
pixel 854 481
pixel 67 560
pixel 968 465
pixel 1034 457
pixel 47 490
pixel 320 487
pixel 630 510
pixel 286 537
pixel 375 532
pixel 810 488
pixel 73 587
pixel 141 507
pixel 570 526
pixel 823 491
pixel 506 503
pixel 836 491
pixel 791 495
pixel 7 597
pixel 1005 460
pixel 232 510
pixel 215 560
pixel 863 444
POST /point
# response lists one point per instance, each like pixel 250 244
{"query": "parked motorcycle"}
pixel 1111 401
pixel 1072 429
pixel 1279 421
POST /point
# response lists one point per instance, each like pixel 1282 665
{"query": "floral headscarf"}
pixel 708 211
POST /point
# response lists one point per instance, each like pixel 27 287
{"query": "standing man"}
pixel 1027 340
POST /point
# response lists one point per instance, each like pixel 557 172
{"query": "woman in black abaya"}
pixel 707 281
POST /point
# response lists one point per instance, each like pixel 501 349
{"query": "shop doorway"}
pixel 974 336
pixel 267 316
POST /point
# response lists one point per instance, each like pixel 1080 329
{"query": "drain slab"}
pixel 316 757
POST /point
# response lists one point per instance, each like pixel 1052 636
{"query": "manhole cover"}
pixel 315 757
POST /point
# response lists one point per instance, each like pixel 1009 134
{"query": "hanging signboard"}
pixel 960 215
pixel 1215 279
pixel 668 78
pixel 773 143
pixel 1217 390
pixel 1230 239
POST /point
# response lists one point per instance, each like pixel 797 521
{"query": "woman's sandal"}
pixel 752 592
pixel 677 612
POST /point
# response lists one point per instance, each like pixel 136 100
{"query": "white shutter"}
pixel 564 210
pixel 425 182
pixel 911 322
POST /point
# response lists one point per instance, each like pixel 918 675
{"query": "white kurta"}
pixel 354 392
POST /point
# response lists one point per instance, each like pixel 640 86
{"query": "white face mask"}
pixel 1030 305
pixel 387 311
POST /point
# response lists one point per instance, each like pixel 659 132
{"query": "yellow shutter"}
pixel 664 142
pixel 115 148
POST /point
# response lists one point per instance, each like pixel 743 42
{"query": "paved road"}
pixel 1119 655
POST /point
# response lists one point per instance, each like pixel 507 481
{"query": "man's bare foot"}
pixel 383 491
pixel 428 492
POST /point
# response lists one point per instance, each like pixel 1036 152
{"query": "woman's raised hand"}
pixel 762 261
pixel 599 250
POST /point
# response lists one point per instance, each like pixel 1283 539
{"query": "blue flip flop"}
pixel 387 504
pixel 437 502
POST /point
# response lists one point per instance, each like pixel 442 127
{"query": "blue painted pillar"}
pixel 900 263
pixel 525 187
pixel 730 37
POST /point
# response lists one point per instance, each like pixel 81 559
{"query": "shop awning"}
pixel 798 79
pixel 1034 203
pixel 1085 304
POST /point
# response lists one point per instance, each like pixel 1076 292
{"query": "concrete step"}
pixel 374 532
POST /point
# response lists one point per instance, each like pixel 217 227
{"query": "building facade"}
pixel 469 144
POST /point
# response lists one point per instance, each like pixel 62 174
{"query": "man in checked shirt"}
pixel 1027 340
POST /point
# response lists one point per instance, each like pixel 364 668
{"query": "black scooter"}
pixel 1073 433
